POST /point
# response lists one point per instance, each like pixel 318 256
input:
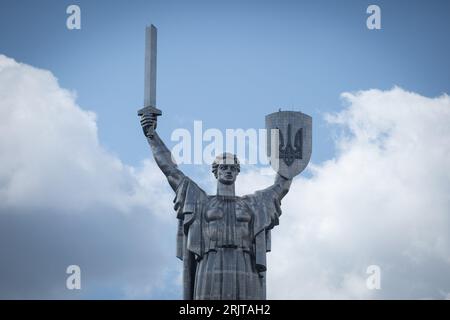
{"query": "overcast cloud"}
pixel 65 200
pixel 383 200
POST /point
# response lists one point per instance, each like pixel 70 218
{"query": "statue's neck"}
pixel 225 189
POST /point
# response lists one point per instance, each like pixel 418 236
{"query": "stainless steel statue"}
pixel 223 239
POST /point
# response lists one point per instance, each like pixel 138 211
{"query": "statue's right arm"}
pixel 162 155
pixel 163 158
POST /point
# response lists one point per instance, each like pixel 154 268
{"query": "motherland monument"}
pixel 223 239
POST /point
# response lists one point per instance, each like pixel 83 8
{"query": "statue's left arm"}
pixel 281 185
pixel 277 190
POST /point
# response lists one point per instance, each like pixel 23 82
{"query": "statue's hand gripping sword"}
pixel 150 78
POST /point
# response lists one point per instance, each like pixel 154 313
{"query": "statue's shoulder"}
pixel 189 189
pixel 247 197
pixel 250 200
pixel 269 192
pixel 262 199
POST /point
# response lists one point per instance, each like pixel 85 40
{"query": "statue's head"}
pixel 226 168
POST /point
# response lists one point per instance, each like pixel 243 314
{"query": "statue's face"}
pixel 227 173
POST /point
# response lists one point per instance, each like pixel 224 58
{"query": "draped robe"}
pixel 223 241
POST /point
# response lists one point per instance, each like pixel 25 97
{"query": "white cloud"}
pixel 48 140
pixel 64 199
pixel 383 200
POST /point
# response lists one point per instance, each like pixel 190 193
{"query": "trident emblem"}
pixel 287 152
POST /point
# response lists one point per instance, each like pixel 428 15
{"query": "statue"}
pixel 223 239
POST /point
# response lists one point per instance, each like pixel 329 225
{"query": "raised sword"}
pixel 150 76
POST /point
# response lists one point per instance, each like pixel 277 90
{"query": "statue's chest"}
pixel 228 211
pixel 228 223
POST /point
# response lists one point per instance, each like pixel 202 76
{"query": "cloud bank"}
pixel 64 199
pixel 383 200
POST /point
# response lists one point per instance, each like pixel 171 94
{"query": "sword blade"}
pixel 150 78
pixel 150 66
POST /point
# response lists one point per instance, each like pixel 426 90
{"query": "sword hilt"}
pixel 149 111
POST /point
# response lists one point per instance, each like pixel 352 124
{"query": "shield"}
pixel 289 142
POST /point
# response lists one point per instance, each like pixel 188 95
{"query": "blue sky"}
pixel 245 58
pixel 227 63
